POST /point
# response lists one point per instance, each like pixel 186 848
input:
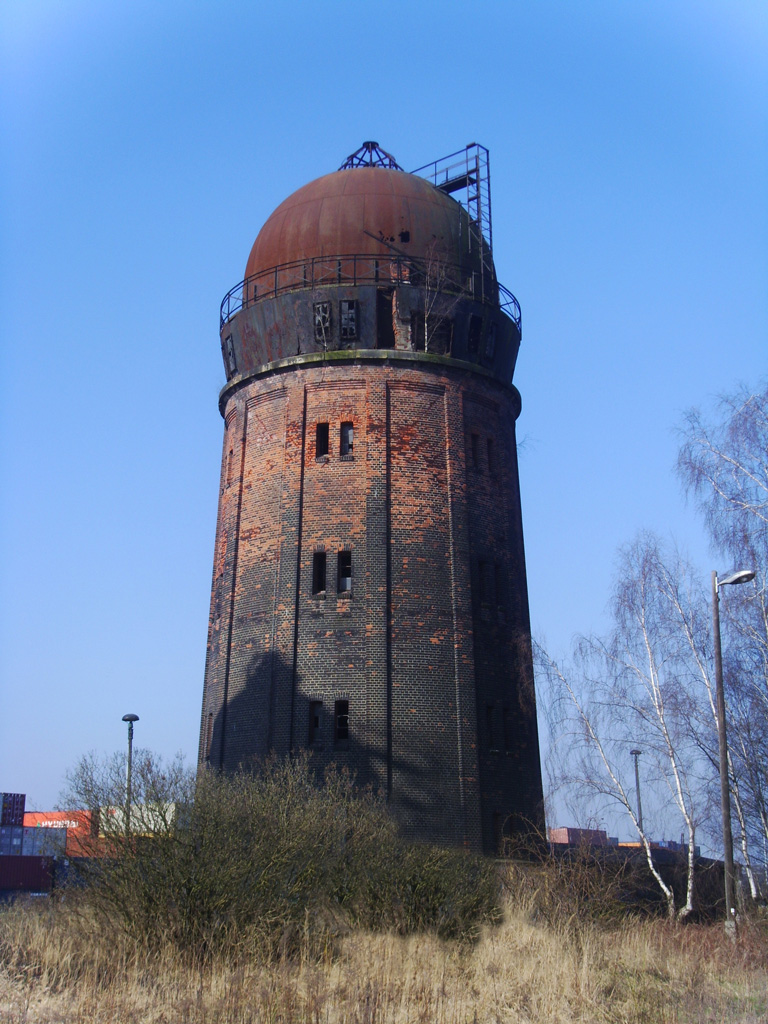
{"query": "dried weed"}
pixel 55 968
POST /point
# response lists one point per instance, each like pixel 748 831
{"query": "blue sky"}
pixel 144 144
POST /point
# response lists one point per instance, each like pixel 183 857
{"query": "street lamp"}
pixel 636 753
pixel 740 576
pixel 130 719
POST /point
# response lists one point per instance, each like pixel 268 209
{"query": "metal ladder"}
pixel 468 171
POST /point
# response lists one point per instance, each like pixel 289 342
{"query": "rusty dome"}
pixel 367 211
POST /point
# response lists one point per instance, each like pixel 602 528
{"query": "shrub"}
pixel 272 864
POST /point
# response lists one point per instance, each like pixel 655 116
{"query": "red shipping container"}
pixel 85 846
pixel 79 822
pixel 578 836
pixel 26 874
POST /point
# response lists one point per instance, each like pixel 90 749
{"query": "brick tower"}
pixel 369 595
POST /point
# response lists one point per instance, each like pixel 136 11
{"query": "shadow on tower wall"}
pixel 269 716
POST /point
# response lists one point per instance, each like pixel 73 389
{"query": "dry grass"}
pixel 525 970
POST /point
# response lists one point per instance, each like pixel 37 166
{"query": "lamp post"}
pixel 636 753
pixel 740 576
pixel 130 719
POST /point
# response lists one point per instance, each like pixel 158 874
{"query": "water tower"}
pixel 369 598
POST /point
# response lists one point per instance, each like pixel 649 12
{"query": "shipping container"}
pixel 44 842
pixel 146 819
pixel 85 846
pixel 578 836
pixel 80 822
pixel 82 829
pixel 12 809
pixel 26 874
pixel 11 838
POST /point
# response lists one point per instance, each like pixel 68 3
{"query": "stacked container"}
pixel 12 809
pixel 26 874
pixel 43 842
pixel 26 854
pixel 81 829
pixel 11 838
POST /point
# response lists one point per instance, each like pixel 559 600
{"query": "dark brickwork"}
pixel 369 596
pixel 421 647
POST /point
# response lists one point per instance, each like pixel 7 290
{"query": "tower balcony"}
pixel 354 302
pixel 435 275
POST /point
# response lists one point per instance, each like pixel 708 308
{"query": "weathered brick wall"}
pixel 509 754
pixel 429 692
pixel 435 631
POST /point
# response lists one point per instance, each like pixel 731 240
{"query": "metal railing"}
pixel 510 306
pixel 356 269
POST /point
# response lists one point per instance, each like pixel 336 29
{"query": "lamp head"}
pixel 130 718
pixel 635 752
pixel 738 576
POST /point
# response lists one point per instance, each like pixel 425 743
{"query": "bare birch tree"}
pixel 641 687
pixel 441 293
pixel 723 463
pixel 592 763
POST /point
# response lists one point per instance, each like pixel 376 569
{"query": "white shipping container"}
pixel 146 819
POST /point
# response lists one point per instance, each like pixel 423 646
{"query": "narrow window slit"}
pixel 347 438
pixel 318 572
pixel 341 724
pixel 315 723
pixel 344 584
pixel 321 440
